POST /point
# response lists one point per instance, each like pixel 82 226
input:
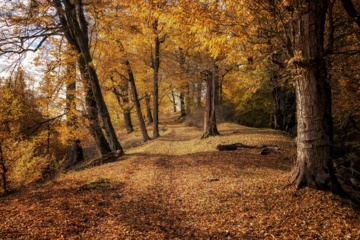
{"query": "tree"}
pixel 118 44
pixel 121 93
pixel 92 113
pixel 314 140
pixel 23 133
pixel 210 127
pixel 71 94
pixel 156 66
pixel 135 98
pixel 40 22
pixel 72 18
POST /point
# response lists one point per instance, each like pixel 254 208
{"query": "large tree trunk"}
pixel 135 98
pixel 314 141
pixel 210 128
pixel 73 19
pixel 92 114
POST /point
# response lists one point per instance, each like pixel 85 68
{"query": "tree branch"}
pixel 39 124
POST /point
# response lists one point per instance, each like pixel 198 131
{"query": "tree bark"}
pixel 123 101
pixel 135 98
pixel 197 94
pixel 92 114
pixel 103 110
pixel 173 100
pixel 156 88
pixel 182 60
pixel 189 98
pixel 70 97
pixel 210 127
pixel 3 171
pixel 127 108
pixel 182 105
pixel 314 141
pixel 127 121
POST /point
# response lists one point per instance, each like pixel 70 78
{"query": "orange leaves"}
pixel 163 196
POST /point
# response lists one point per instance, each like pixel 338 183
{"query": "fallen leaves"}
pixel 174 193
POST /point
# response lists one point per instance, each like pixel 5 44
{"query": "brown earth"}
pixel 180 187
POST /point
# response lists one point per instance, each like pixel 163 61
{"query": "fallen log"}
pixel 265 149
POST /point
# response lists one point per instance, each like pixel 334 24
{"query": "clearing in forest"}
pixel 180 187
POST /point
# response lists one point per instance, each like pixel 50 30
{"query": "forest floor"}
pixel 181 187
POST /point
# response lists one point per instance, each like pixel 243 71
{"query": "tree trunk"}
pixel 3 171
pixel 182 105
pixel 149 116
pixel 182 60
pixel 197 94
pixel 123 101
pixel 71 116
pixel 173 100
pixel 210 128
pixel 73 19
pixel 127 108
pixel 314 141
pixel 220 90
pixel 127 121
pixel 103 110
pixel 156 89
pixel 278 94
pixel 92 114
pixel 189 98
pixel 135 98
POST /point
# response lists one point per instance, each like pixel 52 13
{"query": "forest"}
pixel 152 90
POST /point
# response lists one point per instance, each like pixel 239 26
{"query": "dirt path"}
pixel 181 187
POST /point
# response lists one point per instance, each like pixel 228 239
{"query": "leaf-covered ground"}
pixel 181 187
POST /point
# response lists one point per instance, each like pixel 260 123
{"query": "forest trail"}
pixel 180 187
